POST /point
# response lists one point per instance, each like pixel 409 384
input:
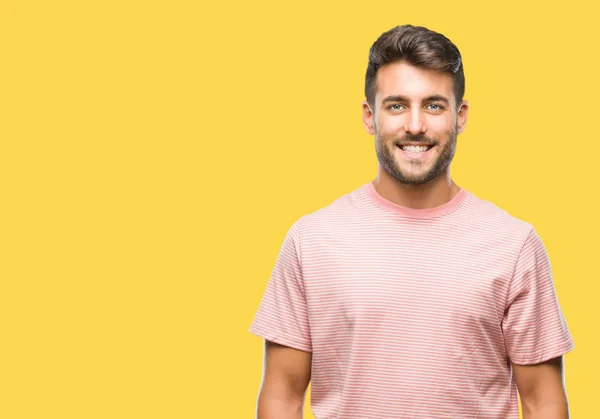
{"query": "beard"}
pixel 385 149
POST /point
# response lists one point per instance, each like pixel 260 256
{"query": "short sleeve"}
pixel 533 325
pixel 282 316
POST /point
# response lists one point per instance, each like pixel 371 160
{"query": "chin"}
pixel 412 177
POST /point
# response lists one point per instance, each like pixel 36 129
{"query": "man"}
pixel 410 297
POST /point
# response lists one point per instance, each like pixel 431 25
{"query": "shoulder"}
pixel 494 221
pixel 341 210
pixel 330 224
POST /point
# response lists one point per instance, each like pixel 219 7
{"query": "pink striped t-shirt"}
pixel 413 313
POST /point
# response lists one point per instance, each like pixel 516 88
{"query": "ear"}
pixel 368 118
pixel 463 112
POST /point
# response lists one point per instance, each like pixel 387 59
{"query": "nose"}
pixel 415 124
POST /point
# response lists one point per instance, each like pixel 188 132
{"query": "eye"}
pixel 435 107
pixel 396 107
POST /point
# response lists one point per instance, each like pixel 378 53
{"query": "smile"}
pixel 415 151
pixel 416 148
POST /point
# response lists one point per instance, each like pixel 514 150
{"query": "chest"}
pixel 406 286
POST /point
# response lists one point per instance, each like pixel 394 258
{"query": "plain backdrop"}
pixel 154 153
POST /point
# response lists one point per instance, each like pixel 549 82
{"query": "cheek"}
pixel 441 128
pixel 388 125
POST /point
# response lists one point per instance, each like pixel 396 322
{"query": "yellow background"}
pixel 153 155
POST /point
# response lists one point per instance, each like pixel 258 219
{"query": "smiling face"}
pixel 415 121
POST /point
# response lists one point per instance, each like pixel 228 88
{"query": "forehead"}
pixel 416 83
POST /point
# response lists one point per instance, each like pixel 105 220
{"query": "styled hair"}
pixel 419 47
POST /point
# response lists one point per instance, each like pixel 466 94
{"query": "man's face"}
pixel 415 122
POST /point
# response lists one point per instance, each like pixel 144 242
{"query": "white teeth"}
pixel 414 149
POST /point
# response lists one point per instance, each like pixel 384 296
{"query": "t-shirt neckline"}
pixel 443 209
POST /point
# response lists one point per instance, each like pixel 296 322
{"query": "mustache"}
pixel 420 139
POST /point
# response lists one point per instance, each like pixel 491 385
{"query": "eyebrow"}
pixel 400 98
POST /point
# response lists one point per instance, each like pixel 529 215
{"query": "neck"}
pixel 434 193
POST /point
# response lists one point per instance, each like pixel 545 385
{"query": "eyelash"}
pixel 439 107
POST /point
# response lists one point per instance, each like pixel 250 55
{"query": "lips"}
pixel 415 148
pixel 415 151
pixel 402 145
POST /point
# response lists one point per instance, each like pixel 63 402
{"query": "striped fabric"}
pixel 413 313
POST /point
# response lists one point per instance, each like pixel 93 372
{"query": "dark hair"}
pixel 420 47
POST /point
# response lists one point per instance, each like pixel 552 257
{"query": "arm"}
pixel 542 390
pixel 285 379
